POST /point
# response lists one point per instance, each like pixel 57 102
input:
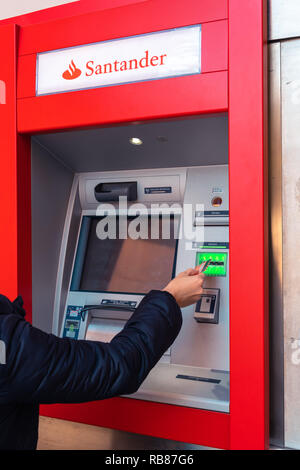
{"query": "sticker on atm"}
pixel 158 190
pixel 217 263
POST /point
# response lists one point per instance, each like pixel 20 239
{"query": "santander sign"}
pixel 152 56
pixel 116 66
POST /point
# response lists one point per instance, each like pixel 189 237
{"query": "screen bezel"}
pixel 81 248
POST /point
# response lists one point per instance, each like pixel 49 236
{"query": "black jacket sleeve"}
pixel 42 368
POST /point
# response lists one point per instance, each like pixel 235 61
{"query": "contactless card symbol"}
pixel 72 72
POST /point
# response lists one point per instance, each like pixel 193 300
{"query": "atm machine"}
pixel 80 286
pixel 101 280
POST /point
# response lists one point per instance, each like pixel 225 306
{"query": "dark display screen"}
pixel 123 265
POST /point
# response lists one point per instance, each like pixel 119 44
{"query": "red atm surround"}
pixel 233 79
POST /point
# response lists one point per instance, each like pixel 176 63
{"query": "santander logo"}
pixel 72 72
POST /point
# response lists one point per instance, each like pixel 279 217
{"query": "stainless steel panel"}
pixel 203 344
pixel 51 186
pixel 195 387
pixel 284 19
pixel 290 86
pixel 68 244
pixel 275 213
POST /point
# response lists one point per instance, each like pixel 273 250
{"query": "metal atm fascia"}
pixel 195 371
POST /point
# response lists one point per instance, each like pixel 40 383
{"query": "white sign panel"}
pixel 152 56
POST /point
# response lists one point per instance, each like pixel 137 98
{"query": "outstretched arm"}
pixel 42 368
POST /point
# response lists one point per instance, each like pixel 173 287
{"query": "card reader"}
pixel 207 307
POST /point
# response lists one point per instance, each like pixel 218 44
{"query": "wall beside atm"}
pixel 284 72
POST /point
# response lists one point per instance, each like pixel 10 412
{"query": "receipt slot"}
pixel 61 137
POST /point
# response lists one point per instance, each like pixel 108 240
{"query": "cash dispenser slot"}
pixel 104 322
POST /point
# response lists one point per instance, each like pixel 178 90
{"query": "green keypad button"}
pixel 218 264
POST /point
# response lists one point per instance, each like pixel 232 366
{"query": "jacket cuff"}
pixel 164 293
pixel 168 294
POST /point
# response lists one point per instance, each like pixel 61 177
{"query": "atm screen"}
pixel 124 265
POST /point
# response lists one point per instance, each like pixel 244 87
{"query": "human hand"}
pixel 187 287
